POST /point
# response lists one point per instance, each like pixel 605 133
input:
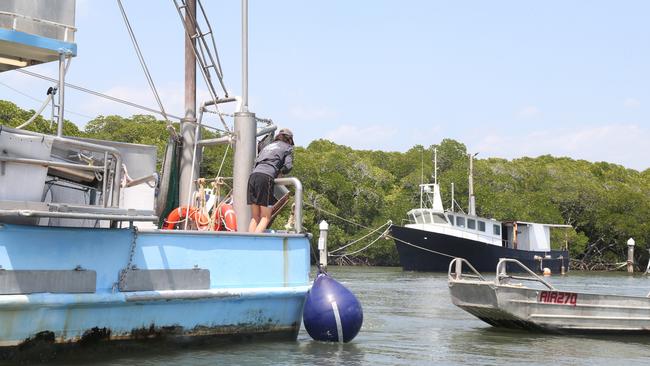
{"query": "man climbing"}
pixel 274 159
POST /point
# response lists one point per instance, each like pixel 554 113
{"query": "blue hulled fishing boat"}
pixel 82 257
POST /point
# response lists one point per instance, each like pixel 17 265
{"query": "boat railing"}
pixel 110 172
pixel 292 181
pixel 502 273
pixel 83 145
pixel 455 271
pixel 15 19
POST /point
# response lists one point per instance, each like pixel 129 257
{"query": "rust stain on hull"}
pixel 45 346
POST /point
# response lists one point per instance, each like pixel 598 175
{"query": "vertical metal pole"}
pixel 472 206
pixel 630 255
pixel 453 204
pixel 244 51
pixel 435 166
pixel 188 123
pixel 244 157
pixel 322 244
pixel 59 127
pixel 244 139
pixel 105 181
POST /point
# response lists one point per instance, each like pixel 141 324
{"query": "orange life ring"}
pixel 227 220
pixel 178 214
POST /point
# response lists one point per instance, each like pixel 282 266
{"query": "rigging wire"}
pixel 335 215
pixel 38 100
pixel 98 94
pixel 223 160
pixel 145 69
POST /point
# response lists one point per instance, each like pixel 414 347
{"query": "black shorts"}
pixel 260 190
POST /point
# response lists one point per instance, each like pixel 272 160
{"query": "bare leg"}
pixel 255 219
pixel 265 217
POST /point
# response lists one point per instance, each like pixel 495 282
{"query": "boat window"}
pixel 439 218
pixel 481 226
pixel 496 229
pixel 451 219
pixel 471 224
pixel 422 217
pixel 460 221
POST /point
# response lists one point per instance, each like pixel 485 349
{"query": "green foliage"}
pixel 11 115
pixel 357 191
pixel 139 129
pixel 605 203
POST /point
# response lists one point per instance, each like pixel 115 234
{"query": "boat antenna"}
pixel 472 199
pixel 422 165
pixel 453 202
pixel 421 174
pixel 435 165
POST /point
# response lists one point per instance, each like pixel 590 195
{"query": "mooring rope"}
pixel 335 215
pixel 361 238
pixel 385 233
pixel 362 249
pixel 419 247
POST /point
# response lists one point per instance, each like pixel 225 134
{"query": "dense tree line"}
pixel 357 191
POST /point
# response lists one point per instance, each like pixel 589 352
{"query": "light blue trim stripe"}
pixel 37 41
pixel 59 300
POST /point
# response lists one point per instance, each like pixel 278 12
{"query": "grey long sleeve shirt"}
pixel 275 158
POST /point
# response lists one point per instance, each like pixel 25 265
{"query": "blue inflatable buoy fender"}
pixel 332 313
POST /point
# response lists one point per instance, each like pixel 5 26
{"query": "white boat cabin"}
pixel 511 234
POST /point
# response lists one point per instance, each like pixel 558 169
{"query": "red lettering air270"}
pixel 554 297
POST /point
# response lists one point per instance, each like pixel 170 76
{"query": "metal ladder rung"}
pixel 197 35
pixel 203 50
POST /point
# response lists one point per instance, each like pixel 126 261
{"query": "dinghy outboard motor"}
pixel 332 313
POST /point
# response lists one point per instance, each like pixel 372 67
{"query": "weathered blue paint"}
pixel 257 283
pixel 38 42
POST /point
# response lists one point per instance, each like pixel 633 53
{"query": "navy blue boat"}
pixel 433 237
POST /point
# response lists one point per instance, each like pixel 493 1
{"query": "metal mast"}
pixel 435 166
pixel 245 129
pixel 472 199
pixel 188 123
pixel 60 117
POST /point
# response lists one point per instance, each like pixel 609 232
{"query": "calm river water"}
pixel 409 320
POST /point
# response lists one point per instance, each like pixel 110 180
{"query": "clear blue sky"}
pixel 507 78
